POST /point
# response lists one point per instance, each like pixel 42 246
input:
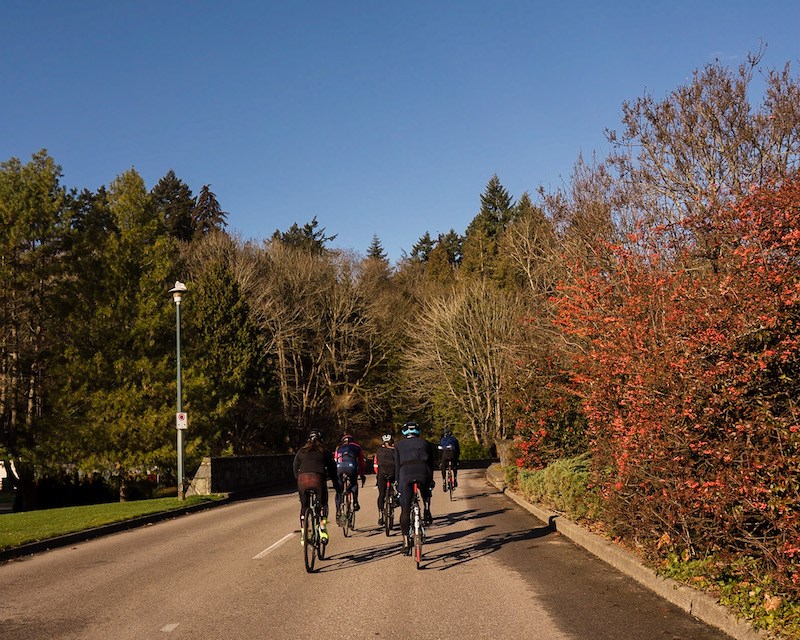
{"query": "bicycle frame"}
pixel 388 508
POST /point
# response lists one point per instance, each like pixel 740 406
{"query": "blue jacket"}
pixel 450 443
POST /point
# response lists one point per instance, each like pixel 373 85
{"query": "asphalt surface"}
pixel 490 569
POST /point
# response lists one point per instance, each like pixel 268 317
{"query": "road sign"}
pixel 181 420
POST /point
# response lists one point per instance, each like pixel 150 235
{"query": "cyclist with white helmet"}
pixel 413 461
pixel 383 463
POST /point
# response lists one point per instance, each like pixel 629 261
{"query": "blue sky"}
pixel 376 117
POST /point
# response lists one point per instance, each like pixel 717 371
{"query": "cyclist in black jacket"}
pixel 384 470
pixel 312 463
pixel 413 461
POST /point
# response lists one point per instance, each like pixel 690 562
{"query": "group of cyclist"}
pixel 398 465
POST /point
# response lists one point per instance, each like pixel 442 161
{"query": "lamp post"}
pixel 180 418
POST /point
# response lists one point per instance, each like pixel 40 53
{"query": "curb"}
pixel 698 604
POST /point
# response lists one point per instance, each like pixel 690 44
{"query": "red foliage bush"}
pixel 688 373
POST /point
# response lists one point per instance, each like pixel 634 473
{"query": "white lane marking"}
pixel 272 547
pixel 170 627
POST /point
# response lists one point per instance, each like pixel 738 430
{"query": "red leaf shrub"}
pixel 688 373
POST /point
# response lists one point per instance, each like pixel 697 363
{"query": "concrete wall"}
pixel 241 473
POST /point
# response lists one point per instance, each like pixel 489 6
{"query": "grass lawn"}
pixel 32 526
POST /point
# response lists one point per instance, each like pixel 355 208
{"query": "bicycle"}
pixel 346 513
pixel 313 546
pixel 388 508
pixel 450 481
pixel 417 528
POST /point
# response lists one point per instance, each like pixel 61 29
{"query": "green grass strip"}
pixel 33 526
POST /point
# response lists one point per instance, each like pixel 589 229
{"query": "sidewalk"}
pixel 701 605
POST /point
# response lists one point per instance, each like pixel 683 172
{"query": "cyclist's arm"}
pixel 296 464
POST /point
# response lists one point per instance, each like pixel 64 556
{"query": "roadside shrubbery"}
pixel 688 375
pixel 564 486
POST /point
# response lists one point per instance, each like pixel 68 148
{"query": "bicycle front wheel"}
pixel 310 540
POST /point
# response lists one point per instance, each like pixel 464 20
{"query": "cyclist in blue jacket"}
pixel 350 462
pixel 451 451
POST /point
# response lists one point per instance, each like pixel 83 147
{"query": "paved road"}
pixel 491 570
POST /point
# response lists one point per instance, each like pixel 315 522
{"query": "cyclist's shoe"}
pixel 380 520
pixel 455 483
pixel 407 545
pixel 323 535
pixel 428 518
pixel 356 506
pixel 444 488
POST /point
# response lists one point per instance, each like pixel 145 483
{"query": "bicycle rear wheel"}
pixel 388 516
pixel 309 540
pixel 450 481
pixel 347 506
pixel 352 511
pixel 321 546
pixel 417 536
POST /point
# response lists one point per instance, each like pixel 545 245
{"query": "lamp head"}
pixel 177 291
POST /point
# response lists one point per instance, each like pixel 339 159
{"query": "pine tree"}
pixel 174 202
pixel 31 272
pixel 308 238
pixel 481 239
pixel 422 249
pixel 376 249
pixel 207 215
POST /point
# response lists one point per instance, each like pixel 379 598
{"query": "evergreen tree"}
pixel 228 369
pixel 174 202
pixel 422 249
pixel 376 249
pixel 207 215
pixel 452 243
pixel 32 230
pixel 307 238
pixel 115 394
pixel 481 239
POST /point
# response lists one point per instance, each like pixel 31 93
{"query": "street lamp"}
pixel 180 418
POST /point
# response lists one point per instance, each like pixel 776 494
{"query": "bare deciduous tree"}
pixel 463 346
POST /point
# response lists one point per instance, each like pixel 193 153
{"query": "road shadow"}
pixel 452 550
pixel 468 514
pixel 352 559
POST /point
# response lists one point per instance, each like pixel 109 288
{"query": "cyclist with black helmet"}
pixel 383 463
pixel 313 464
pixel 350 461
pixel 451 451
pixel 413 461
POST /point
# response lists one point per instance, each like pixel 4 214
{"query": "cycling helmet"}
pixel 346 438
pixel 410 429
pixel 448 432
pixel 314 435
pixel 387 438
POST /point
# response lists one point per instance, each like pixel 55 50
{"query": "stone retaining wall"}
pixel 241 473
